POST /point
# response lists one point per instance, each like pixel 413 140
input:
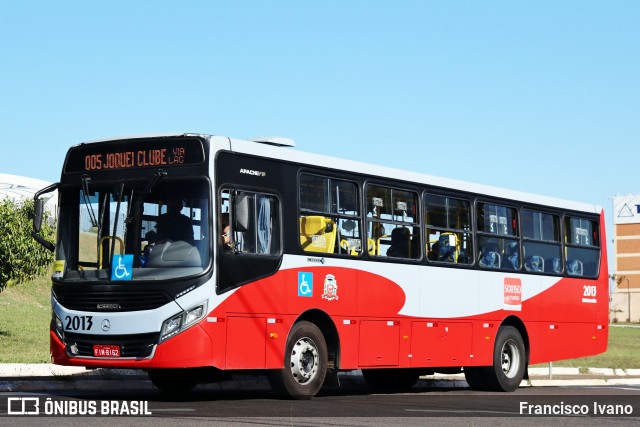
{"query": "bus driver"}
pixel 173 225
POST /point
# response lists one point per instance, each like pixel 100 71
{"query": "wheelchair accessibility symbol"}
pixel 122 267
pixel 305 284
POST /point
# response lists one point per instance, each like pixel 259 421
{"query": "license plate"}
pixel 106 350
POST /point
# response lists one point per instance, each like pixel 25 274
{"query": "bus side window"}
pixel 541 242
pixel 582 247
pixel 328 220
pixel 393 228
pixel 498 240
pixel 254 223
pixel 448 225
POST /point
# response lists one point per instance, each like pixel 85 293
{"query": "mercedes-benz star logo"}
pixel 106 325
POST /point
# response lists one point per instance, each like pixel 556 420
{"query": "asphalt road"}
pixel 579 406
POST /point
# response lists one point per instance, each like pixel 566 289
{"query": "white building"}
pixel 19 188
pixel 625 300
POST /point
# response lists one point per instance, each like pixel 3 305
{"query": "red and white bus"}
pixel 298 266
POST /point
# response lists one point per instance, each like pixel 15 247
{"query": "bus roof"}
pixel 141 136
pixel 284 151
pixel 294 155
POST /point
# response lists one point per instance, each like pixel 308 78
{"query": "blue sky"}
pixel 536 96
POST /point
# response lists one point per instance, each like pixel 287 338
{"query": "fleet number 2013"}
pixel 75 323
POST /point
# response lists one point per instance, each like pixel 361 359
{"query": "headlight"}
pixel 171 327
pixel 193 315
pixel 57 324
pixel 182 321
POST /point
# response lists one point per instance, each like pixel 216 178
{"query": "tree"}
pixel 21 257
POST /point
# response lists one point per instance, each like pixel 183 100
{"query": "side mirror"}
pixel 38 216
pixel 38 210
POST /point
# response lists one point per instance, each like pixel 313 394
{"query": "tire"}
pixel 173 381
pixel 509 361
pixel 305 363
pixel 390 379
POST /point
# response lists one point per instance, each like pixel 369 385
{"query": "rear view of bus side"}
pixel 299 266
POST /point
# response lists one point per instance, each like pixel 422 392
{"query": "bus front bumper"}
pixel 191 348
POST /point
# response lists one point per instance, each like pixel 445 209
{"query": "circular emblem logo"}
pixel 106 325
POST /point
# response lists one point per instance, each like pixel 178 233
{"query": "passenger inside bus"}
pixel 226 232
pixel 434 253
pixel 400 240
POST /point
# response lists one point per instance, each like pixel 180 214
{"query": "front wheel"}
pixel 305 363
pixel 174 381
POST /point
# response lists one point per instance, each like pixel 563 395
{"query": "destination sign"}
pixel 139 153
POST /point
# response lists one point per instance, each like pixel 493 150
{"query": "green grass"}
pixel 25 314
pixel 623 352
pixel 87 247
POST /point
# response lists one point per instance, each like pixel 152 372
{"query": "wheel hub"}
pixel 510 358
pixel 304 360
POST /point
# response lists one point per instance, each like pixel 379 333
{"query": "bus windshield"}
pixel 134 230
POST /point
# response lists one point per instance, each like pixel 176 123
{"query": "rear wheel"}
pixel 509 364
pixel 305 363
pixel 509 361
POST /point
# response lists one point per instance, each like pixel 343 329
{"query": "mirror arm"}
pixel 48 245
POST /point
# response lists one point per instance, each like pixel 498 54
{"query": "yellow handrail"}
pixel 118 239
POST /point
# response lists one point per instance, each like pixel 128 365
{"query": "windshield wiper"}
pixel 160 173
pixel 157 176
pixel 85 195
pixel 115 227
pixel 128 219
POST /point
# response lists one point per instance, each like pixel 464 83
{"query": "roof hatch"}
pixel 274 140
